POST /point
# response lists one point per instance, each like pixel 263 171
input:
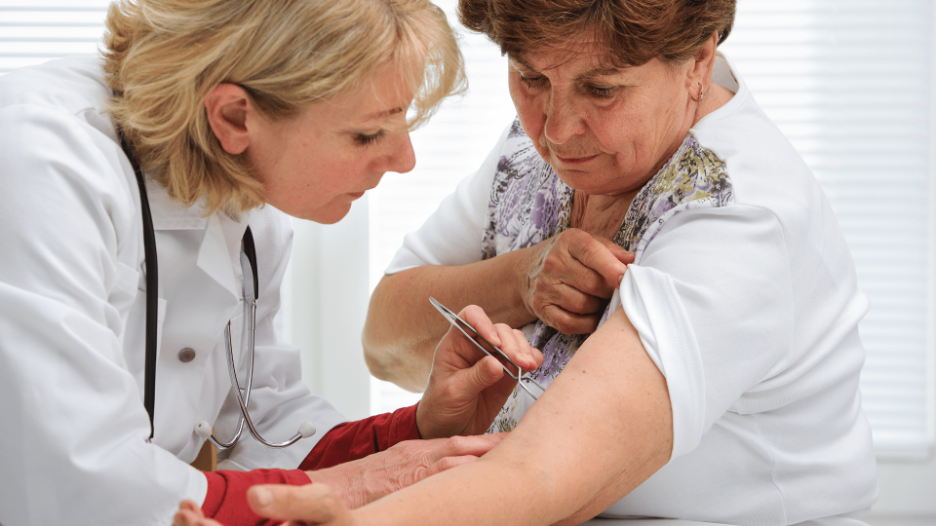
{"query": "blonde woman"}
pixel 144 213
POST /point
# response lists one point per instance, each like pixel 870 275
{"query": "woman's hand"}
pixel 570 277
pixel 467 388
pixel 363 481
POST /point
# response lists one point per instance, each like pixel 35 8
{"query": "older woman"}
pixel 198 115
pixel 721 382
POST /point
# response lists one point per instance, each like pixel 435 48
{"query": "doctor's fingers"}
pixel 464 446
pixel 449 463
pixel 313 503
pixel 190 514
pixel 510 341
pixel 479 319
pixel 515 345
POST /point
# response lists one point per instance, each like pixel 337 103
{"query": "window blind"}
pixel 35 31
pixel 849 83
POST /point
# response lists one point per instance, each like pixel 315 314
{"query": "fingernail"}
pixel 620 279
pixel 264 497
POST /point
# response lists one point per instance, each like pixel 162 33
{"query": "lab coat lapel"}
pixel 214 257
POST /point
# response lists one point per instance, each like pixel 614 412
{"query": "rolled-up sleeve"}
pixel 712 300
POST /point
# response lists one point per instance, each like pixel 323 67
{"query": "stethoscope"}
pixel 248 260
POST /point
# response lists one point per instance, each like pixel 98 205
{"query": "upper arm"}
pixel 602 427
pixel 712 301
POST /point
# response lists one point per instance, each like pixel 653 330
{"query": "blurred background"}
pixel 850 83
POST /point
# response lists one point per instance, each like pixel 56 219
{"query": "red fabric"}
pixel 226 500
pixel 354 440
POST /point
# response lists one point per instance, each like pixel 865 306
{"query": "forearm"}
pixel 403 328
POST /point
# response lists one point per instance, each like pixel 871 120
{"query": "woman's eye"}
pixel 600 92
pixel 363 139
pixel 534 82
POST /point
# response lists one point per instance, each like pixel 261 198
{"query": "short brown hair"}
pixel 162 57
pixel 636 31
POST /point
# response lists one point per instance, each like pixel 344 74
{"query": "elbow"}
pixel 375 357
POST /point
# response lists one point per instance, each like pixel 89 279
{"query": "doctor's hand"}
pixel 354 484
pixel 365 480
pixel 466 387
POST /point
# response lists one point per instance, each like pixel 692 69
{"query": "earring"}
pixel 701 94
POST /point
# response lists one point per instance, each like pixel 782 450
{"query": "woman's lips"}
pixel 357 195
pixel 573 161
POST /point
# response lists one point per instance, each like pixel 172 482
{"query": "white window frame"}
pixel 327 300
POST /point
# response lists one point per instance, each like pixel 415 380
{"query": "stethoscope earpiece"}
pixel 203 429
pixel 306 430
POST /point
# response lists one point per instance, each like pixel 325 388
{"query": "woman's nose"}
pixel 403 158
pixel 562 120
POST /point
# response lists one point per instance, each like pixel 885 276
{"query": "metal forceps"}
pixel 462 325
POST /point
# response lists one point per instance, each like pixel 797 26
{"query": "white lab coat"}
pixel 73 428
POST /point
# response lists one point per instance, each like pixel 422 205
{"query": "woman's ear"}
pixel 228 106
pixel 700 75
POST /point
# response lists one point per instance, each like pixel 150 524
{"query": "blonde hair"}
pixel 163 57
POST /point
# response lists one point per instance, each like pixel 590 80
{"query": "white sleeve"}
pixel 280 402
pixel 73 444
pixel 452 234
pixel 712 301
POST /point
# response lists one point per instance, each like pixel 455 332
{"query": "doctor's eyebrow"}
pixel 380 114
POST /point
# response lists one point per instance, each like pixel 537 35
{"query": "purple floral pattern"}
pixel 529 204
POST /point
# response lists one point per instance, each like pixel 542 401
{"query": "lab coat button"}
pixel 186 355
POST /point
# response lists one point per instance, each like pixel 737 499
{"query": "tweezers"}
pixel 461 325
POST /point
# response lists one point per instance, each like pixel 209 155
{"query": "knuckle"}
pixel 451 462
pixel 578 304
pixel 591 284
pixel 551 262
pixel 456 443
pixel 502 327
